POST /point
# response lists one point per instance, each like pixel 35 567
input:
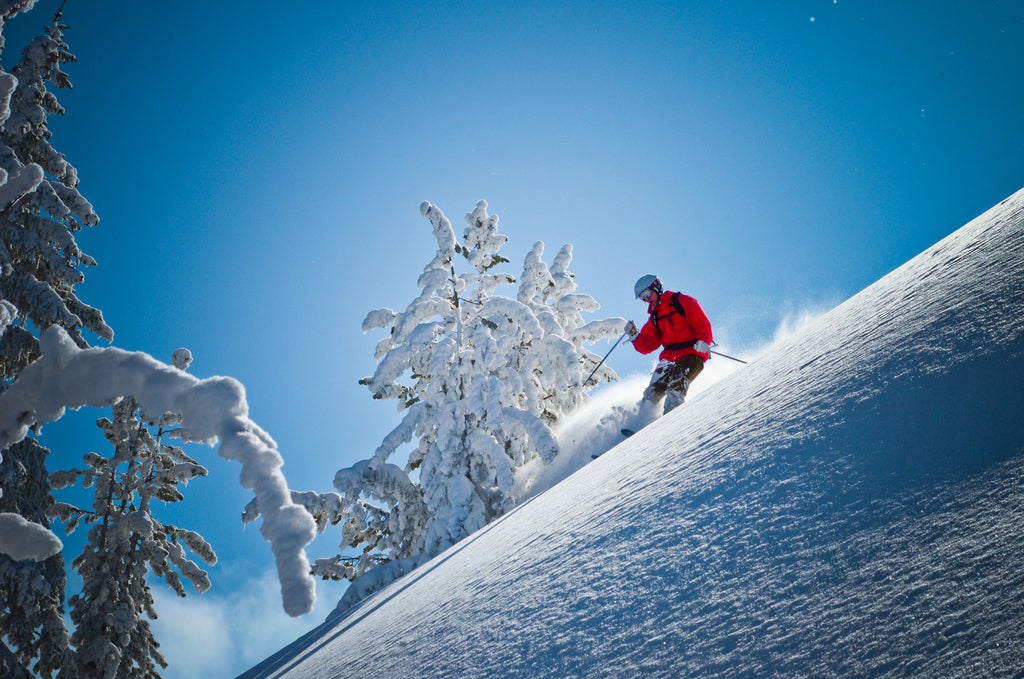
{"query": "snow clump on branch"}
pixel 211 410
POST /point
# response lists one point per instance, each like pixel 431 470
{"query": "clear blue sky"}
pixel 258 169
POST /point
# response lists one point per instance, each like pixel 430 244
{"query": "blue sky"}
pixel 258 171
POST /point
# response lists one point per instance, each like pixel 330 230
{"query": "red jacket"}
pixel 674 331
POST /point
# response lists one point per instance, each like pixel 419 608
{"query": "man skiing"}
pixel 679 326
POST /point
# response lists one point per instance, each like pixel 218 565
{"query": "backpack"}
pixel 679 309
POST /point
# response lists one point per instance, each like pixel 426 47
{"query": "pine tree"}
pixel 31 616
pixel 481 378
pixel 562 361
pixel 40 261
pixel 40 209
pixel 112 636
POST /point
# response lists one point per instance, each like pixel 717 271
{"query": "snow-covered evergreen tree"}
pixel 40 262
pixel 112 636
pixel 563 361
pixel 40 209
pixel 481 378
pixel 44 368
pixel 31 592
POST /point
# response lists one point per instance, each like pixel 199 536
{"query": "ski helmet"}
pixel 647 281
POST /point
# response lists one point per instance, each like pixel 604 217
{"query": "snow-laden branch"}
pixel 9 8
pixel 211 410
pixel 23 539
pixel 24 181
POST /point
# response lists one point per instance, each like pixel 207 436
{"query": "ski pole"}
pixel 718 353
pixel 594 371
pixel 731 358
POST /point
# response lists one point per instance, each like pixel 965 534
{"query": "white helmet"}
pixel 647 281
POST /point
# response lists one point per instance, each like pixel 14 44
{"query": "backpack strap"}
pixel 677 304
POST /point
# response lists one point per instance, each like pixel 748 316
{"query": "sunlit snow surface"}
pixel 848 505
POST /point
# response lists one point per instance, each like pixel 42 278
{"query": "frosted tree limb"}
pixel 212 409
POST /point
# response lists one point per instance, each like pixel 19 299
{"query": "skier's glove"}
pixel 701 347
pixel 631 330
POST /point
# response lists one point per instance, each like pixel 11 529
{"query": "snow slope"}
pixel 849 505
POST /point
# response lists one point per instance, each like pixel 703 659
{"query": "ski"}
pixel 625 432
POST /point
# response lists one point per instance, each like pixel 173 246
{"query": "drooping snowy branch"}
pixel 211 410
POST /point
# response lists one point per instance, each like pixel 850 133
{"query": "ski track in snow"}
pixel 848 505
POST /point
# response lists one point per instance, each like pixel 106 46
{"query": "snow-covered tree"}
pixel 127 541
pixel 563 361
pixel 480 378
pixel 47 366
pixel 40 209
pixel 212 410
pixel 31 592
pixel 40 262
pixel 40 206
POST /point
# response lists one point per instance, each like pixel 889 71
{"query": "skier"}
pixel 679 326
